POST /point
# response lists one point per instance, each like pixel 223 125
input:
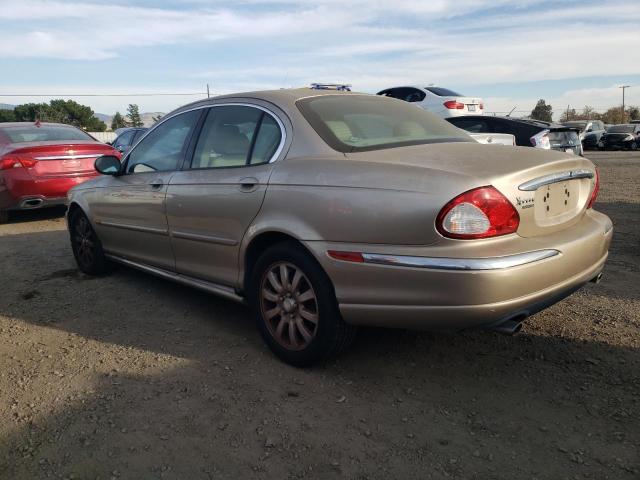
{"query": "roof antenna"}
pixel 509 114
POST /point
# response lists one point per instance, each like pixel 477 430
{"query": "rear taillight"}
pixel 541 140
pixel 596 189
pixel 13 161
pixel 482 106
pixel 479 213
pixel 453 105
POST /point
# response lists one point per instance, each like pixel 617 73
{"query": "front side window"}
pixel 164 148
pixel 354 123
pixel 235 136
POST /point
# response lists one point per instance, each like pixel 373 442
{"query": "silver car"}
pixel 325 210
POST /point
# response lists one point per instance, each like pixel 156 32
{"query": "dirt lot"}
pixel 129 376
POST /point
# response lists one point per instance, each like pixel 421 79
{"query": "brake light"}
pixel 596 189
pixel 13 161
pixel 453 105
pixel 479 213
pixel 482 106
pixel 541 140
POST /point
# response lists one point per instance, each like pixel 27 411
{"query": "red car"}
pixel 40 162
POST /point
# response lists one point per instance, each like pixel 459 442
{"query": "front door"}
pixel 130 213
pixel 211 204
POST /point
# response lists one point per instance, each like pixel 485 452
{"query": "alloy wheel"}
pixel 84 240
pixel 289 305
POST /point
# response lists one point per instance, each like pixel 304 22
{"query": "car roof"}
pixel 284 98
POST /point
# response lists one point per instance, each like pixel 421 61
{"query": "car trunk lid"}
pixel 50 159
pixel 549 189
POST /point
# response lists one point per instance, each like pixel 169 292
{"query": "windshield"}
pixel 43 133
pixel 443 92
pixel 355 123
pixel 621 129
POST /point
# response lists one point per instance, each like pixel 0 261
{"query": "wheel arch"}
pixel 258 244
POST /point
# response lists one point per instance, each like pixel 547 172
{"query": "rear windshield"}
pixel 621 129
pixel 356 123
pixel 580 125
pixel 43 133
pixel 443 92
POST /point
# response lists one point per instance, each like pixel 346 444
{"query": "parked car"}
pixel 494 138
pixel 127 138
pixel 590 132
pixel 618 137
pixel 325 210
pixel 40 162
pixel 441 101
pixel 528 133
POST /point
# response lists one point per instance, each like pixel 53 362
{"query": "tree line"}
pixel 614 115
pixel 71 113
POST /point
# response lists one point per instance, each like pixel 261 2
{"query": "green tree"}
pixel 60 111
pixel 118 121
pixel 634 113
pixel 133 114
pixel 7 116
pixel 613 115
pixel 542 111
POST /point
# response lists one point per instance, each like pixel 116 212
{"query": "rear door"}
pixel 130 212
pixel 211 204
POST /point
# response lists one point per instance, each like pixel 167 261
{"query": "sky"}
pixel 511 53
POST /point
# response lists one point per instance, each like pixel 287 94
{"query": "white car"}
pixel 441 101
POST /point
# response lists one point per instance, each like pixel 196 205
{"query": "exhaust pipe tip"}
pixel 31 203
pixel 511 326
pixel 597 278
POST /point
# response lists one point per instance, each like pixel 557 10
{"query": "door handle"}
pixel 248 184
pixel 157 184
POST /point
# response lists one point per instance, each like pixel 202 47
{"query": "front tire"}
pixel 295 306
pixel 633 146
pixel 86 246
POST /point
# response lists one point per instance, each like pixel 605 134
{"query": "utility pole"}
pixel 208 96
pixel 568 113
pixel 623 87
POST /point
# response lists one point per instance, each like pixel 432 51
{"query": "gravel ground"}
pixel 129 376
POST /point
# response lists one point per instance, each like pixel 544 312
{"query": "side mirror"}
pixel 107 165
pixel 589 129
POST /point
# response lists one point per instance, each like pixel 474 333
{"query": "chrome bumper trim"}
pixel 443 263
pixel 70 157
pixel 533 185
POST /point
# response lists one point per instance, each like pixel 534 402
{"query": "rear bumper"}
pixel 19 190
pixel 424 297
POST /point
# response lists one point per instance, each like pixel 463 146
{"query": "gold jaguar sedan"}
pixel 325 210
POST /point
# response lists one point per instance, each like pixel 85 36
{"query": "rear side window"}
pixel 235 136
pixel 443 92
pixel 354 123
pixel 125 139
pixel 44 133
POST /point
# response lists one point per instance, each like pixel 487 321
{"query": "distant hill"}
pixel 6 106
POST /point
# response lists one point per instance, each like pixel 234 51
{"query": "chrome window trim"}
pixel 466 264
pixel 536 183
pixel 70 157
pixel 274 157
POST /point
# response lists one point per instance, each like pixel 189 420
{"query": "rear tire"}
pixel 86 245
pixel 295 306
pixel 4 216
pixel 633 146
